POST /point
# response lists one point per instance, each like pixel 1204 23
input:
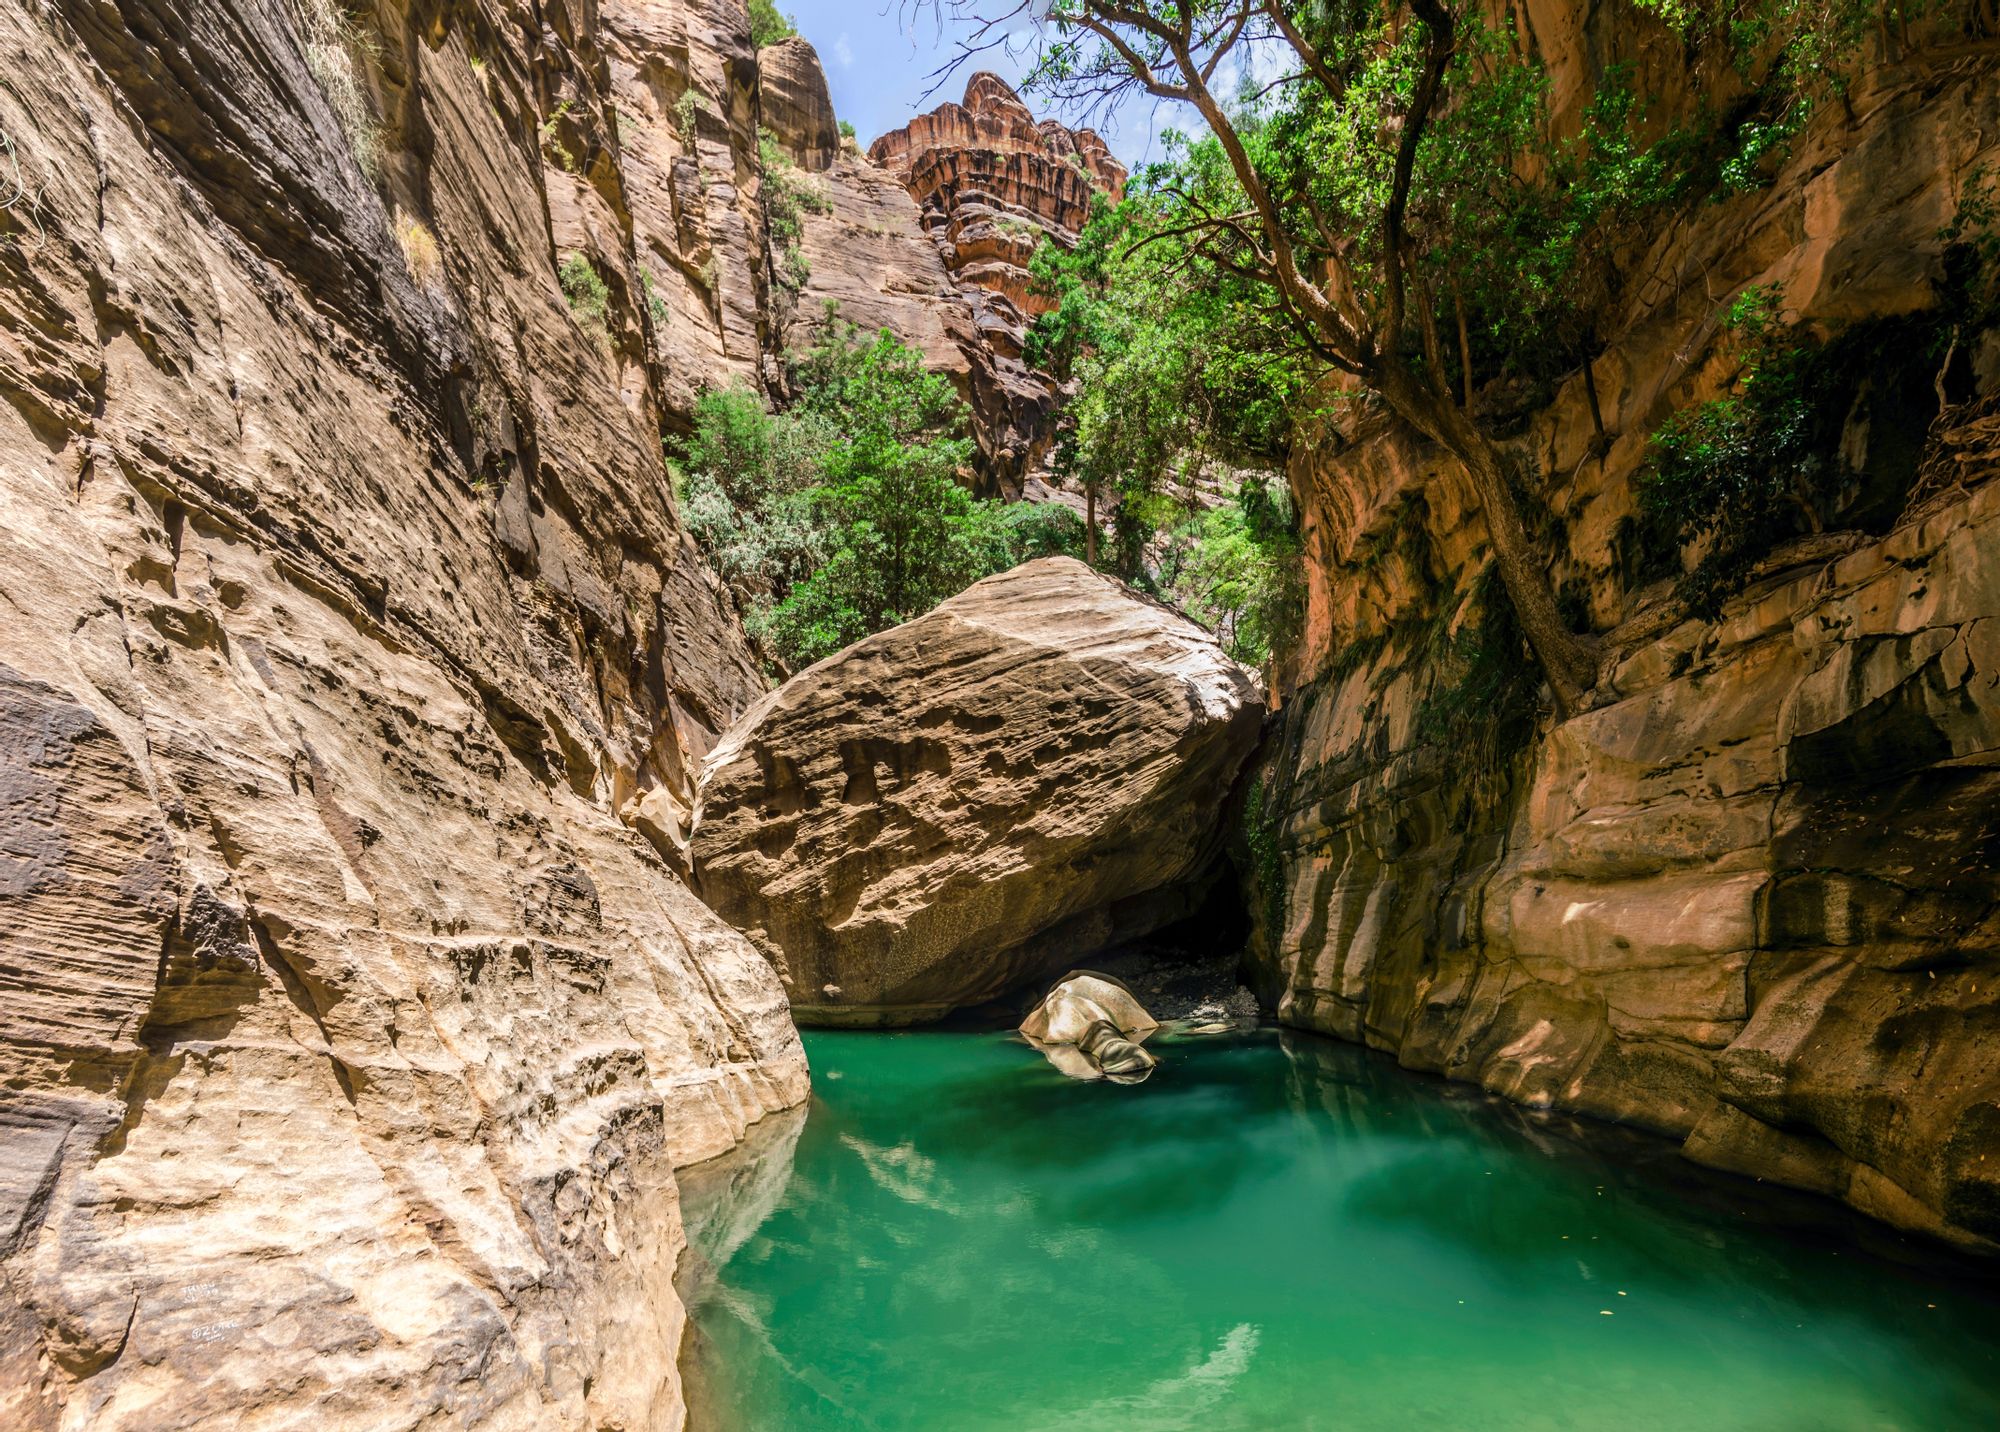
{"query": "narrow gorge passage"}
pixel 1277 1231
pixel 1343 656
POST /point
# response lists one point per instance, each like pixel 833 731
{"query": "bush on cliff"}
pixel 768 24
pixel 845 514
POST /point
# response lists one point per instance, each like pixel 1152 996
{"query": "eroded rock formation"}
pixel 349 1039
pixel 991 182
pixel 1750 900
pixel 976 798
pixel 684 95
pixel 795 105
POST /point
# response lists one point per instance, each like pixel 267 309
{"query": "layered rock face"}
pixel 865 249
pixel 991 183
pixel 976 798
pixel 794 103
pixel 683 101
pixel 1750 900
pixel 349 1039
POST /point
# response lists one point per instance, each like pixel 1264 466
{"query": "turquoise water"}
pixel 1272 1234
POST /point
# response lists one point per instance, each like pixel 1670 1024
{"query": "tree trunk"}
pixel 1566 661
pixel 1090 525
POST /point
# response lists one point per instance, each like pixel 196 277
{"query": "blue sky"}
pixel 879 55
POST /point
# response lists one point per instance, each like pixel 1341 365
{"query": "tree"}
pixel 1337 251
pixel 845 514
pixel 1396 194
pixel 1179 369
pixel 768 24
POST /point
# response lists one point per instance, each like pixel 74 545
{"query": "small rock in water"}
pixel 1091 1027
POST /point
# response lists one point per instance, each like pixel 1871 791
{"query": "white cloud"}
pixel 843 51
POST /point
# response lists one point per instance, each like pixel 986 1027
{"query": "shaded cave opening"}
pixel 1191 968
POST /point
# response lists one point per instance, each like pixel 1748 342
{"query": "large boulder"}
pixel 976 798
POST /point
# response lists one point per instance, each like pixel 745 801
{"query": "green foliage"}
pixel 1763 462
pixel 1483 702
pixel 1724 469
pixel 1972 253
pixel 551 132
pixel 687 112
pixel 1179 366
pixel 1262 831
pixel 588 297
pixel 845 514
pixel 768 25
pixel 656 303
pixel 789 195
pixel 746 496
pixel 1238 569
pixel 1041 529
pixel 846 129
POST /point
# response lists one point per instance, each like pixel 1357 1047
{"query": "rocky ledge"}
pixel 977 798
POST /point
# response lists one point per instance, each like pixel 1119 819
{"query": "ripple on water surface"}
pixel 1272 1233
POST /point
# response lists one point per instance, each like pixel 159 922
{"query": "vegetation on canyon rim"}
pixel 1391 221
pixel 845 513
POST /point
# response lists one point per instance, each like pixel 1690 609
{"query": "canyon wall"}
pixel 991 183
pixel 1749 899
pixel 355 667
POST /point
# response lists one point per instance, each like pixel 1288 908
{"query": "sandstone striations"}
pixel 349 1039
pixel 794 104
pixel 1749 901
pixel 976 798
pixel 865 251
pixel 991 183
pixel 684 98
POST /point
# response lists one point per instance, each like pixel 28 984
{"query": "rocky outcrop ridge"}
pixel 976 798
pixel 991 183
pixel 349 1038
pixel 793 100
pixel 1748 901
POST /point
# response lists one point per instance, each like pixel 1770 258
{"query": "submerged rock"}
pixel 1090 1026
pixel 977 798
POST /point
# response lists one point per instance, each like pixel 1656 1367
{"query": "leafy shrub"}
pixel 846 129
pixel 1743 472
pixel 688 110
pixel 588 297
pixel 768 26
pixel 845 514
pixel 1238 569
pixel 789 196
pixel 656 304
pixel 551 133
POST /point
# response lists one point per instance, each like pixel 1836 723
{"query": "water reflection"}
pixel 1276 1231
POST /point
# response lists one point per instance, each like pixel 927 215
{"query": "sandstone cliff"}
pixel 991 183
pixel 1750 900
pixel 349 1038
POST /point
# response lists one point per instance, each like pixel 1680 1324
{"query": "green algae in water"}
pixel 1270 1234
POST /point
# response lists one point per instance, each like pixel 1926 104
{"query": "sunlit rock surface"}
pixel 349 1039
pixel 991 183
pixel 1751 900
pixel 976 798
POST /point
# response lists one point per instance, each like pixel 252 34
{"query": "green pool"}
pixel 1272 1233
